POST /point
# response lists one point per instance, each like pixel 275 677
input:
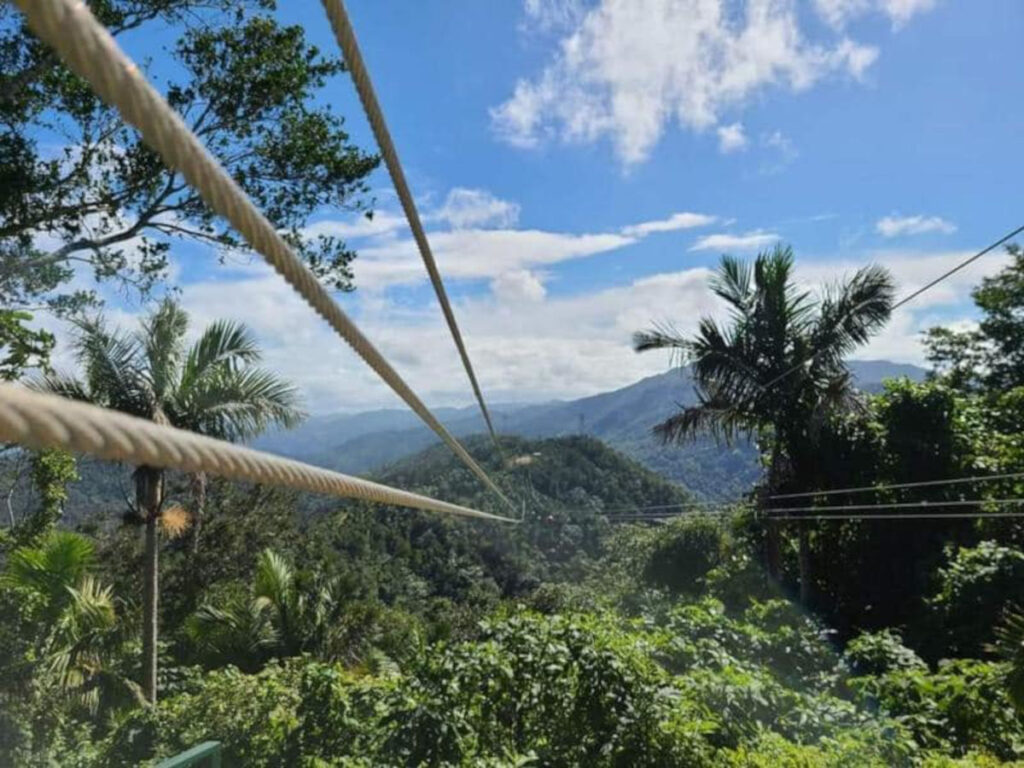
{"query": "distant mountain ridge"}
pixel 364 442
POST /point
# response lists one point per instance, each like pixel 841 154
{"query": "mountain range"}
pixel 367 442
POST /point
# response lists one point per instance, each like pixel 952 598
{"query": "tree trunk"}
pixel 773 551
pixel 198 510
pixel 804 564
pixel 149 484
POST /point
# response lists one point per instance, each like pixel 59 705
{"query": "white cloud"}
pixel 750 241
pixel 518 285
pixel 552 15
pixel 477 254
pixel 465 208
pixel 839 12
pixel 382 224
pixel 782 152
pixel 683 220
pixel 731 138
pixel 481 243
pixel 896 226
pixel 629 68
pixel 527 344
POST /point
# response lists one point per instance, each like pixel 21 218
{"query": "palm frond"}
pixel 62 384
pixel 112 364
pixel 852 311
pixel 60 561
pixel 716 419
pixel 223 344
pixel 664 336
pixel 732 284
pixel 162 339
pixel 239 403
pixel 1009 646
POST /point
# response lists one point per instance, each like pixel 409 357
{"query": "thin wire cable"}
pixel 770 512
pixel 909 516
pixel 910 297
pixel 346 37
pixel 41 420
pixel 774 513
pixel 893 486
pixel 89 50
pixel 855 516
pixel 682 504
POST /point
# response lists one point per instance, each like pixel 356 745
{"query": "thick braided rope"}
pixel 346 37
pixel 88 49
pixel 48 421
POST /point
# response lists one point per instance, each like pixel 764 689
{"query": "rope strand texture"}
pixel 346 37
pixel 89 50
pixel 47 421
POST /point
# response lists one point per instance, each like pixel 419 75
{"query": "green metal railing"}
pixel 207 755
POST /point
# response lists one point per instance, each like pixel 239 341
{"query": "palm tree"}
pixel 78 633
pixel 280 617
pixel 776 370
pixel 1009 646
pixel 212 387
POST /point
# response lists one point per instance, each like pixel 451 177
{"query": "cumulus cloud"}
pixel 628 68
pixel 731 138
pixel 684 220
pixel 518 285
pixel 382 223
pixel 465 208
pixel 724 242
pixel 896 226
pixel 552 15
pixel 526 343
pixel 481 241
pixel 839 12
pixel 477 254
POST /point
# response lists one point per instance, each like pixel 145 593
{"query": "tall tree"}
pixel 82 193
pixel 990 357
pixel 777 370
pixel 213 387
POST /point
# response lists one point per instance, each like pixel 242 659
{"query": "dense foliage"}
pixel 383 637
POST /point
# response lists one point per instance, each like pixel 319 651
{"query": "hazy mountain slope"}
pixel 622 418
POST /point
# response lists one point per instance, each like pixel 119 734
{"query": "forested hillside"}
pixel 305 630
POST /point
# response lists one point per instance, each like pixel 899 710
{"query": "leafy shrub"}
pixel 960 707
pixel 774 634
pixel 855 749
pixel 737 580
pixel 875 653
pixel 973 590
pixel 251 715
pixel 683 554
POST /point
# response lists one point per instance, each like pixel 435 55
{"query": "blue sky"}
pixel 582 165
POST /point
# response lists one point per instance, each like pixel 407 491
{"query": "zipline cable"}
pixel 346 37
pixel 90 51
pixel 41 420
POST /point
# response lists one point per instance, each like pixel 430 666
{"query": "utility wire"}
pixel 771 511
pixel 908 516
pixel 346 37
pixel 893 486
pixel 778 513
